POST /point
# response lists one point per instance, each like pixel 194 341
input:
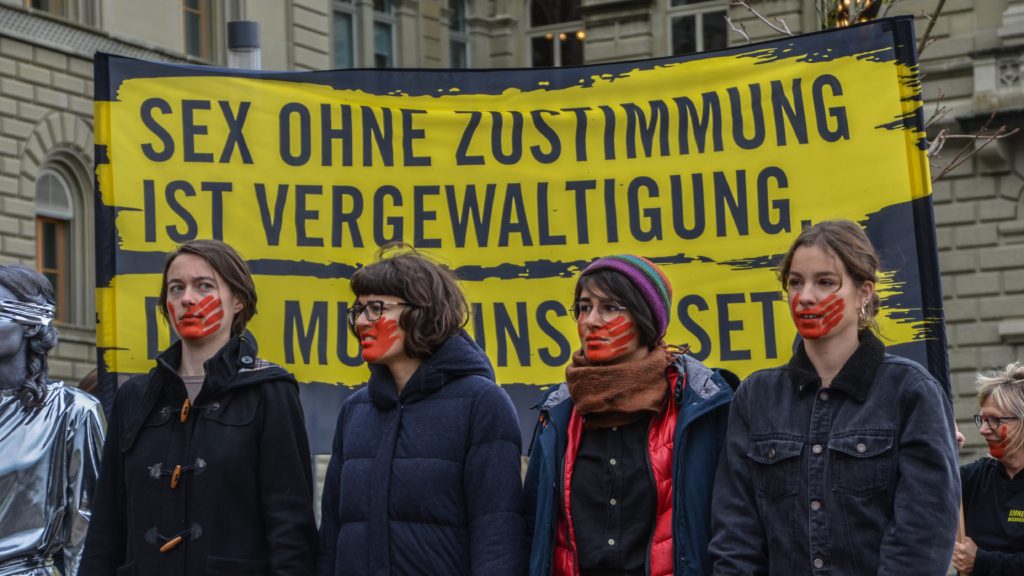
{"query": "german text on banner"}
pixel 709 165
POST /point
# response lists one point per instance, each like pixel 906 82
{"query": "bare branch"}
pixel 784 29
pixel 924 43
pixel 741 30
pixel 972 147
pixel 938 142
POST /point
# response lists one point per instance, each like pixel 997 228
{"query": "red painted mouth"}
pixel 817 321
pixel 200 320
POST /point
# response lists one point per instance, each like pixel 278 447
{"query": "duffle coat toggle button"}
pixel 156 471
pixel 186 406
pixel 168 543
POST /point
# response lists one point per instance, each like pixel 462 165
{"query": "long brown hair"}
pixel 846 241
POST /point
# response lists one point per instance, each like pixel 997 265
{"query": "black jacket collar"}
pixel 854 378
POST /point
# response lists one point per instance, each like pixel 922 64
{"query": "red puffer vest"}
pixel 660 448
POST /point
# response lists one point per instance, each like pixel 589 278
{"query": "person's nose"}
pixel 362 321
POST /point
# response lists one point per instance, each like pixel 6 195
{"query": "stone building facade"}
pixel 973 69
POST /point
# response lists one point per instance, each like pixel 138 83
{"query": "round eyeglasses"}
pixel 994 422
pixel 373 310
pixel 607 311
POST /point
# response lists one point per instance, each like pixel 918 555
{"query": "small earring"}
pixel 863 311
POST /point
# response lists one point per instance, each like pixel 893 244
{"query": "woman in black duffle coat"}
pixel 206 466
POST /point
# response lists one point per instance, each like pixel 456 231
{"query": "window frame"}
pixel 349 8
pixel 459 35
pixel 386 19
pixel 61 271
pixel 555 30
pixel 697 11
pixel 205 29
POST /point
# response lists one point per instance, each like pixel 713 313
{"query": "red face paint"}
pixel 377 338
pixel 200 320
pixel 609 341
pixel 818 320
pixel 998 448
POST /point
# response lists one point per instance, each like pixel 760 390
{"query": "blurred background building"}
pixel 974 68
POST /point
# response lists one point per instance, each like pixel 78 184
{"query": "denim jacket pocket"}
pixel 861 462
pixel 777 462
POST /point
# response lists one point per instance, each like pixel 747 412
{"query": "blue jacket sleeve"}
pixel 739 545
pixel 493 487
pixel 919 538
pixel 330 506
pixel 705 440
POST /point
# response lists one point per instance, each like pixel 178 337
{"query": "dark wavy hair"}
pixel 226 261
pixel 437 308
pixel 27 285
pixel 846 241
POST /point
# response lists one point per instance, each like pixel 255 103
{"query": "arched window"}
pixel 458 37
pixel 697 25
pixel 556 33
pixel 54 214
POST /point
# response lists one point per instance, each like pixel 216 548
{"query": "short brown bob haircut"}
pixel 437 308
pixel 231 267
pixel 847 242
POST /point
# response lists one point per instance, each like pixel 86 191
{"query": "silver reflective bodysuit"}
pixel 49 461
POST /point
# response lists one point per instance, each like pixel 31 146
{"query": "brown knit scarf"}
pixel 617 394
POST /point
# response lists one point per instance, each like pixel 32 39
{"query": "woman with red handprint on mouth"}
pixel 206 467
pixel 424 475
pixel 624 454
pixel 844 460
pixel 993 486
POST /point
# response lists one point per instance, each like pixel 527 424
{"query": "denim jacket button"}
pixel 824 396
pixel 819 563
pixel 771 453
pixel 816 448
pixel 861 448
pixel 815 505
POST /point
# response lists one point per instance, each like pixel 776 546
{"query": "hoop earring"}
pixel 863 311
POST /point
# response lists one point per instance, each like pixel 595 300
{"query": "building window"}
pixel 55 7
pixel 697 25
pixel 383 34
pixel 196 24
pixel 556 33
pixel 54 212
pixel 458 39
pixel 343 34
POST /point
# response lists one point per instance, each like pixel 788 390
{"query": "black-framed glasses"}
pixel 373 310
pixel 607 311
pixel 994 422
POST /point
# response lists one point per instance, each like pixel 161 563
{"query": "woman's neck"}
pixel 195 353
pixel 830 355
pixel 1013 463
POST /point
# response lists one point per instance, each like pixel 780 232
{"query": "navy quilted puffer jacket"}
pixel 427 482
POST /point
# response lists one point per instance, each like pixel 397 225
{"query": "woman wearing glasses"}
pixel 624 454
pixel 843 461
pixel 993 487
pixel 206 466
pixel 424 475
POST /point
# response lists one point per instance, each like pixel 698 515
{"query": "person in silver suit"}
pixel 51 436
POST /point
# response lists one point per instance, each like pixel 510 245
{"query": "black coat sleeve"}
pixel 286 482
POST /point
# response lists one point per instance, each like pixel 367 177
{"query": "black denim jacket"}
pixel 858 478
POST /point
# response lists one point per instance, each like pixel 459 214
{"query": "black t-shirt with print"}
pixel 994 517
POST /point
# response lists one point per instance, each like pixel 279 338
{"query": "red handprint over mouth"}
pixel 997 448
pixel 609 341
pixel 377 338
pixel 200 320
pixel 818 320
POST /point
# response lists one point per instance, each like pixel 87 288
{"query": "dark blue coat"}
pixel 699 438
pixel 427 482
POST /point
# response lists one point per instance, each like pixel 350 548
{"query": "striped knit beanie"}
pixel 648 279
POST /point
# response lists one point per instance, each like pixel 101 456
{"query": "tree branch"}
pixel 741 30
pixel 928 31
pixel 781 28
